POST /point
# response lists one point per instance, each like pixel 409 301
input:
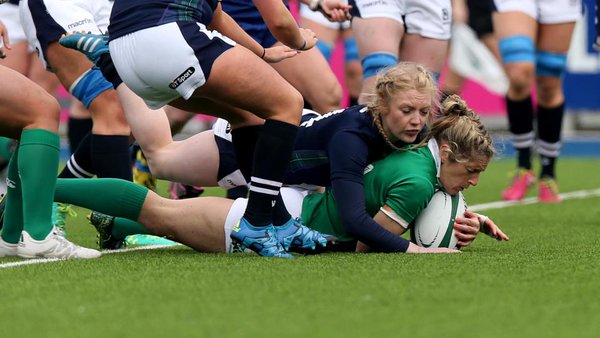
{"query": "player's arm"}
pixel 224 24
pixel 333 10
pixel 348 156
pixel 282 25
pixel 389 220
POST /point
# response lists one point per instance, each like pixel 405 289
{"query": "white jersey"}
pixel 544 11
pixel 428 18
pixel 44 21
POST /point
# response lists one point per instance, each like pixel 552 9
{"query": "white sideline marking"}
pixel 476 207
pixel 104 252
pixel 533 200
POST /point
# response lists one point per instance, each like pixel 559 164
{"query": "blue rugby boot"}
pixel 295 236
pixel 262 240
pixel 92 45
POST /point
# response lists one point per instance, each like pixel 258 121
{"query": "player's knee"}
pixel 374 62
pixel 89 86
pixel 517 49
pixel 549 92
pixel 520 76
pixel 549 64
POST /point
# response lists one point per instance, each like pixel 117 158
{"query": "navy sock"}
pixel 549 128
pixel 80 164
pixel 271 157
pixel 520 119
pixel 110 156
pixel 77 129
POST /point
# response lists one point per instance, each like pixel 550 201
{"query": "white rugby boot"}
pixel 53 246
pixel 7 249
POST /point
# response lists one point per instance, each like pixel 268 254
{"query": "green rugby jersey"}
pixel 404 180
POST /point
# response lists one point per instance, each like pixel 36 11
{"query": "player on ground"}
pixel 210 73
pixel 398 187
pixel 331 150
pixel 534 37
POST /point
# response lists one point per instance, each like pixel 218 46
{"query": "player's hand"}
pixel 5 41
pixel 335 11
pixel 466 228
pixel 413 248
pixel 279 53
pixel 490 228
pixel 309 37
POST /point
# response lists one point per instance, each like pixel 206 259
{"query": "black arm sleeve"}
pixel 348 156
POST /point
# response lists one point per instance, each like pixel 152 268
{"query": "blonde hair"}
pixel 400 77
pixel 460 128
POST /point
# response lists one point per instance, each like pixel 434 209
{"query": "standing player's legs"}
pixel 30 114
pixel 553 44
pixel 44 22
pixel 378 40
pixel 517 32
pixel 352 68
pixel 427 34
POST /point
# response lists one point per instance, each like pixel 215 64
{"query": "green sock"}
pixel 109 196
pixel 13 212
pixel 123 227
pixel 6 148
pixel 38 164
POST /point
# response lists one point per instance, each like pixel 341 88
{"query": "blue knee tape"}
pixel 375 62
pixel 351 50
pixel 326 49
pixel 89 86
pixel 550 64
pixel 518 48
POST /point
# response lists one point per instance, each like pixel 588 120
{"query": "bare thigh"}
pixel 242 80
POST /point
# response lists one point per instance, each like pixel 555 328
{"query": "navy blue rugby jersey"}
pixel 129 16
pixel 339 143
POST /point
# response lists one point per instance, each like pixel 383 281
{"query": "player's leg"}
pixel 378 30
pixel 427 34
pixel 352 68
pixel 31 115
pixel 554 38
pixel 516 30
pixel 44 22
pixel 196 222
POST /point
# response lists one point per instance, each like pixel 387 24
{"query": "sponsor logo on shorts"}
pixel 71 26
pixel 182 77
pixel 445 14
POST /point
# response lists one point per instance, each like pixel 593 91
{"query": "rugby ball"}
pixel 433 227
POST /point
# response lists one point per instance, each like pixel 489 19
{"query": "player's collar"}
pixel 435 151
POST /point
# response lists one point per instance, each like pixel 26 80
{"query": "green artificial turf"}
pixel 542 283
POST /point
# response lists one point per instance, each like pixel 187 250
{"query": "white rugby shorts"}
pixel 44 21
pixel 163 63
pixel 544 11
pixel 9 15
pixel 428 18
